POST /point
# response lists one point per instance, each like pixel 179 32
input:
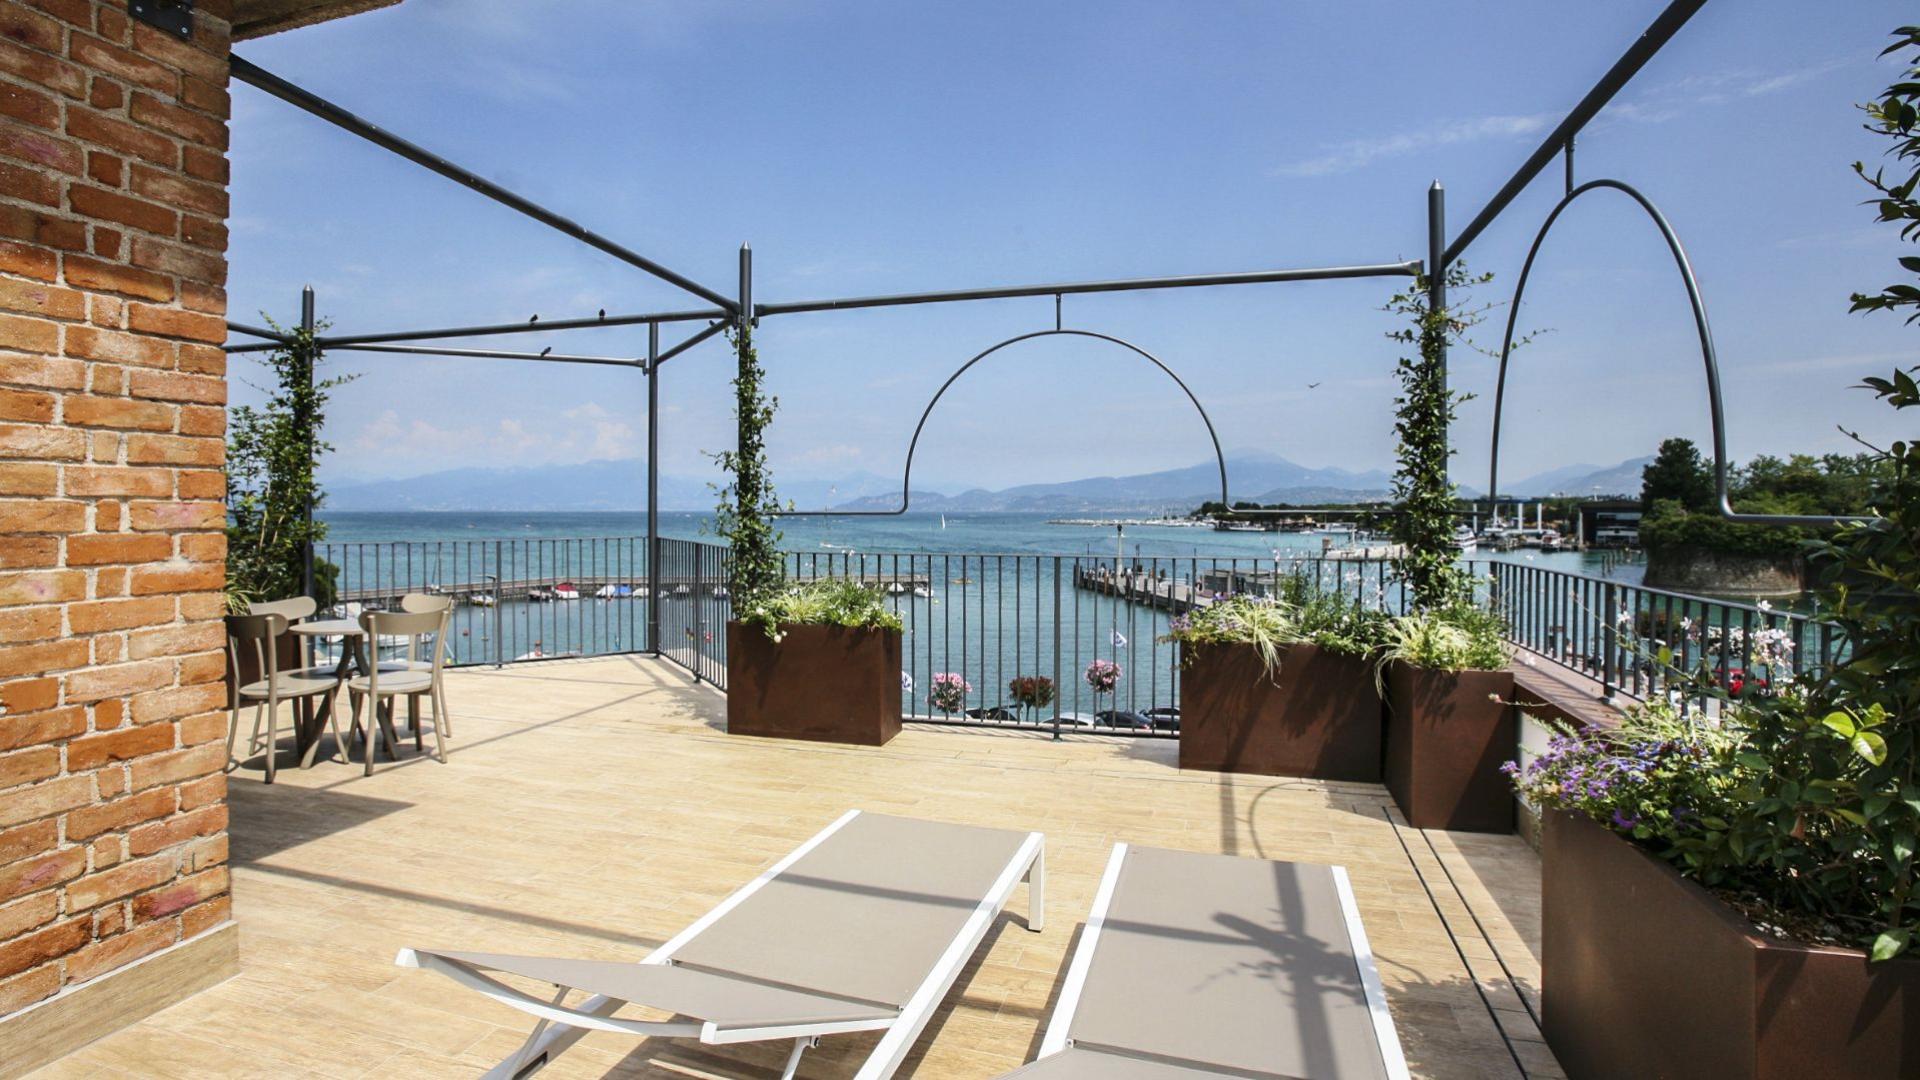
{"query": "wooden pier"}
pixel 1165 594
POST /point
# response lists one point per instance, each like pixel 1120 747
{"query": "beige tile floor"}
pixel 593 808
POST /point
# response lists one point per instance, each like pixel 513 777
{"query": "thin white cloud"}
pixel 1654 105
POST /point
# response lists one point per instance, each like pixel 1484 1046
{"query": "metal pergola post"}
pixel 307 360
pixel 1437 299
pixel 653 488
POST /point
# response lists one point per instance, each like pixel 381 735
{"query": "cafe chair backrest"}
pixel 424 602
pixel 257 632
pixel 415 626
pixel 293 607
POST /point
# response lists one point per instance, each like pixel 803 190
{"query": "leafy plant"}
pixel 1656 776
pixel 1334 621
pixel 1804 807
pixel 826 602
pixel 748 503
pixel 1459 637
pixel 1423 523
pixel 1265 624
pixel 949 693
pixel 1103 676
pixel 271 486
pixel 1031 692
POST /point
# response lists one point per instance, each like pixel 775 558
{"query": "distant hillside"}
pixel 621 485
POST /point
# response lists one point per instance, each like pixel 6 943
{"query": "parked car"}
pixel 1125 719
pixel 1165 717
pixel 1000 713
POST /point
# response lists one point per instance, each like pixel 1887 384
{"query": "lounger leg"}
pixel 793 1060
pixel 542 1047
pixel 1037 892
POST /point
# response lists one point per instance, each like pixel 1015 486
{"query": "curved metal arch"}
pixel 1716 410
pixel 906 477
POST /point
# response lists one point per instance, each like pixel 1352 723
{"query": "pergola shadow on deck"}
pixel 594 808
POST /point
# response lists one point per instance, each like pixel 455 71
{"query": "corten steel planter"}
pixel 1318 716
pixel 1646 974
pixel 824 683
pixel 1448 733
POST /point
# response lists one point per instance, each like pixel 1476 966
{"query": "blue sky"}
pixel 862 146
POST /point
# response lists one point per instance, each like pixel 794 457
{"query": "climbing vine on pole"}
pixel 748 502
pixel 1423 524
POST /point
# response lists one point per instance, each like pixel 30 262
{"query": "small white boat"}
pixel 1465 541
pixel 481 600
pixel 566 591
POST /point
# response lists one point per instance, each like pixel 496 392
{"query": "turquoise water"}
pixel 990 597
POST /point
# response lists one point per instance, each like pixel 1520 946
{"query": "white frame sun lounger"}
pixel 758 974
pixel 1253 976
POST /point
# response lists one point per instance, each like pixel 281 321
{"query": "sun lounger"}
pixel 1195 966
pixel 864 927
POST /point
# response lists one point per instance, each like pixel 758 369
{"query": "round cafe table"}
pixel 353 660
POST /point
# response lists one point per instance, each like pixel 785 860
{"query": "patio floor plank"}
pixel 594 807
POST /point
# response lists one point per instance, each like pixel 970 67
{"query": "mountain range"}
pixel 621 485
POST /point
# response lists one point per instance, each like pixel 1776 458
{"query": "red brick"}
pixel 118 548
pixel 203 233
pixel 196 296
pixel 174 831
pixel 28 695
pixel 35 298
pixel 202 792
pixel 110 24
pixel 56 373
pixel 41 658
pixel 179 765
pixel 45 800
pixel 138 213
pixel 29 144
pixel 207 95
pixel 41 443
pixel 173 322
pixel 25 405
pixel 203 420
pixel 174 450
pixel 97 55
pixel 201 359
pixel 106 169
pixel 85 273
pixel 205 727
pixel 41 516
pixel 26 334
pixel 76 12
pixel 23 990
pixel 183 640
pixel 29 766
pixel 46 230
pixel 118 480
pixel 205 57
pixel 196 127
pixel 26 552
pixel 203 667
pixel 203 917
pixel 27 260
pixel 176 516
pixel 117 952
pixel 83 410
pixel 38 728
pixel 204 164
pixel 29 106
pixel 177 386
pixel 185 262
pixel 31 29
pixel 118 680
pixel 90 821
pixel 41 587
pixel 203 547
pixel 107 96
pixel 31 913
pixel 202 484
pixel 30 184
pixel 39 68
pixel 25 842
pixel 117 347
pixel 93 751
pixel 37 948
pixel 164 705
pixel 21 625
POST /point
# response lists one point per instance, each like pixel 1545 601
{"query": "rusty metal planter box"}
pixel 1447 737
pixel 824 683
pixel 1318 716
pixel 1646 974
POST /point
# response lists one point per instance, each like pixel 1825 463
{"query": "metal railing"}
pixel 992 619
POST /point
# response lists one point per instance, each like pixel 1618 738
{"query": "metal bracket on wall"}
pixel 173 16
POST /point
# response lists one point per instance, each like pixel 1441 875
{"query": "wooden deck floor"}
pixel 593 808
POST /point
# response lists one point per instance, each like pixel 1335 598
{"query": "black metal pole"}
pixel 272 336
pixel 694 340
pixel 259 78
pixel 1437 289
pixel 1623 70
pixel 490 354
pixel 1252 277
pixel 496 329
pixel 307 359
pixel 653 488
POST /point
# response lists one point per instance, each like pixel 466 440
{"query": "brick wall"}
pixel 113 195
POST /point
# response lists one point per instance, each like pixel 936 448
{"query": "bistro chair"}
pixel 420 603
pixel 425 634
pixel 260 636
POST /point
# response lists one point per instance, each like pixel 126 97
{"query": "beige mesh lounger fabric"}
pixel 863 928
pixel 1211 965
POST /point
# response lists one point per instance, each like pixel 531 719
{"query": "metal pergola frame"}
pixel 724 311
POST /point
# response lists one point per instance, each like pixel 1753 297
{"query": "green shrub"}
pixel 827 602
pixel 1459 637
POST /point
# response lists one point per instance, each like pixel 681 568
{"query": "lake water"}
pixel 990 597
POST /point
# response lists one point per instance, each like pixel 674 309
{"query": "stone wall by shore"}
pixel 1698 570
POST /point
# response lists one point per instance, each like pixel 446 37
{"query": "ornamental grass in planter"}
pixel 1450 722
pixel 1280 687
pixel 818 661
